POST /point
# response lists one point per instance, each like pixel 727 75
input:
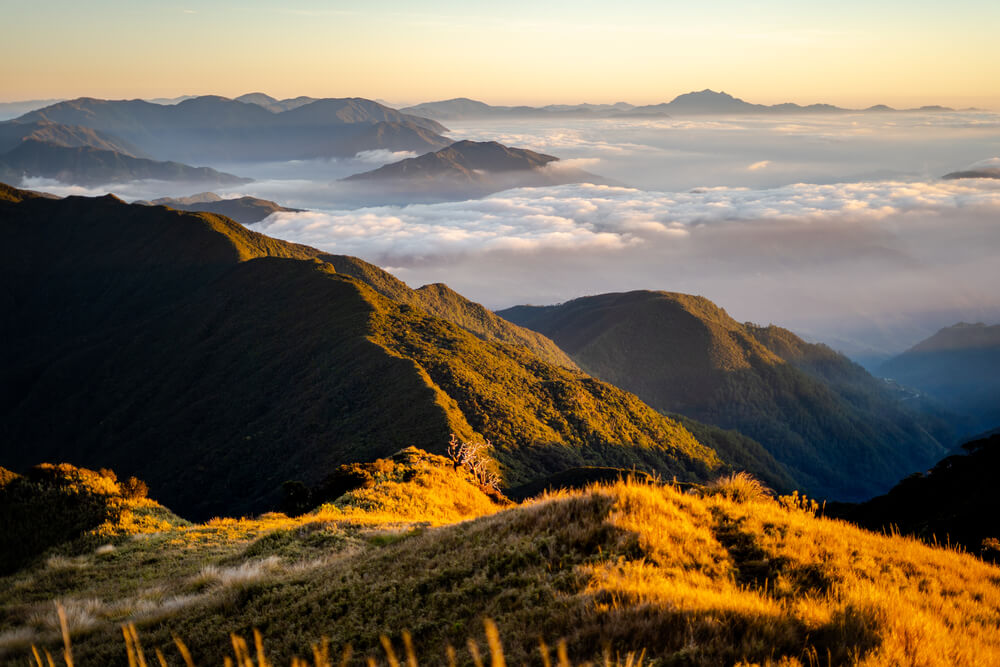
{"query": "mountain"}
pixel 984 172
pixel 706 102
pixel 838 431
pixel 217 363
pixel 69 136
pixel 86 165
pixel 465 160
pixel 244 210
pixel 462 108
pixel 212 128
pixel 960 367
pixel 952 502
pixel 466 169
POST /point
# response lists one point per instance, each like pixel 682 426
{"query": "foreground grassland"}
pixel 719 575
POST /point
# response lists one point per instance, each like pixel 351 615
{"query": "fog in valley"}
pixel 837 226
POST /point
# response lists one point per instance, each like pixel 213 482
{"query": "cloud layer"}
pixel 873 265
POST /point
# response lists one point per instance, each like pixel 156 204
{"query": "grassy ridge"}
pixel 718 577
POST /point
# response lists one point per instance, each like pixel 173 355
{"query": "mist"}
pixel 836 226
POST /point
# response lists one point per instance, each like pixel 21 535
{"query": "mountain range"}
pixel 704 102
pixel 840 432
pixel 221 129
pixel 958 366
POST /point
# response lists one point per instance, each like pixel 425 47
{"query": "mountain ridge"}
pixel 183 347
pixel 836 429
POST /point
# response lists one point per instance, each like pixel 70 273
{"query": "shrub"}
pixel 472 456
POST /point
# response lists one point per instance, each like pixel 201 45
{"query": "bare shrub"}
pixel 473 457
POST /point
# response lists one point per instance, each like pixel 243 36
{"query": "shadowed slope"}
pixel 218 363
pixel 953 502
pixel 244 210
pixel 86 165
pixel 959 366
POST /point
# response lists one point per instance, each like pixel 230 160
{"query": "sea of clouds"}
pixel 837 226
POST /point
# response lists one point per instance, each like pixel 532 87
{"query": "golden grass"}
pixel 614 572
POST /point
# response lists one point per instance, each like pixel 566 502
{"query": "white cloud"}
pixel 880 262
pixel 756 166
pixel 383 156
pixel 578 216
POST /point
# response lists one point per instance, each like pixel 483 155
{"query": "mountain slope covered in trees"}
pixel 838 431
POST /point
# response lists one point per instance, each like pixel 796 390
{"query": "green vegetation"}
pixel 728 575
pixel 832 429
pixel 220 363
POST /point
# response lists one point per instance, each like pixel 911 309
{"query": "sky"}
pixel 852 53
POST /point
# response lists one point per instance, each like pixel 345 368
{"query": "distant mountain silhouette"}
pixel 959 366
pixel 275 105
pixel 217 128
pixel 704 102
pixel 244 210
pixel 953 502
pixel 468 169
pixel 984 172
pixel 217 363
pixel 463 107
pixel 86 165
pixel 838 431
pixel 15 109
pixel 57 134
pixel 463 159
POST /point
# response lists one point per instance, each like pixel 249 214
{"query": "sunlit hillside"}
pixel 720 574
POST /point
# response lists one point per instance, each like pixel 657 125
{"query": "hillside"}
pixel 218 363
pixel 464 160
pixel 465 169
pixel 720 576
pixel 244 210
pixel 69 136
pixel 212 128
pixel 839 432
pixel 53 505
pixel 86 165
pixel 958 366
pixel 953 502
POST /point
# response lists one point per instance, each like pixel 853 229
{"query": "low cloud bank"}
pixel 866 266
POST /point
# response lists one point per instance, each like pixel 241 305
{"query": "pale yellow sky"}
pixel 847 53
